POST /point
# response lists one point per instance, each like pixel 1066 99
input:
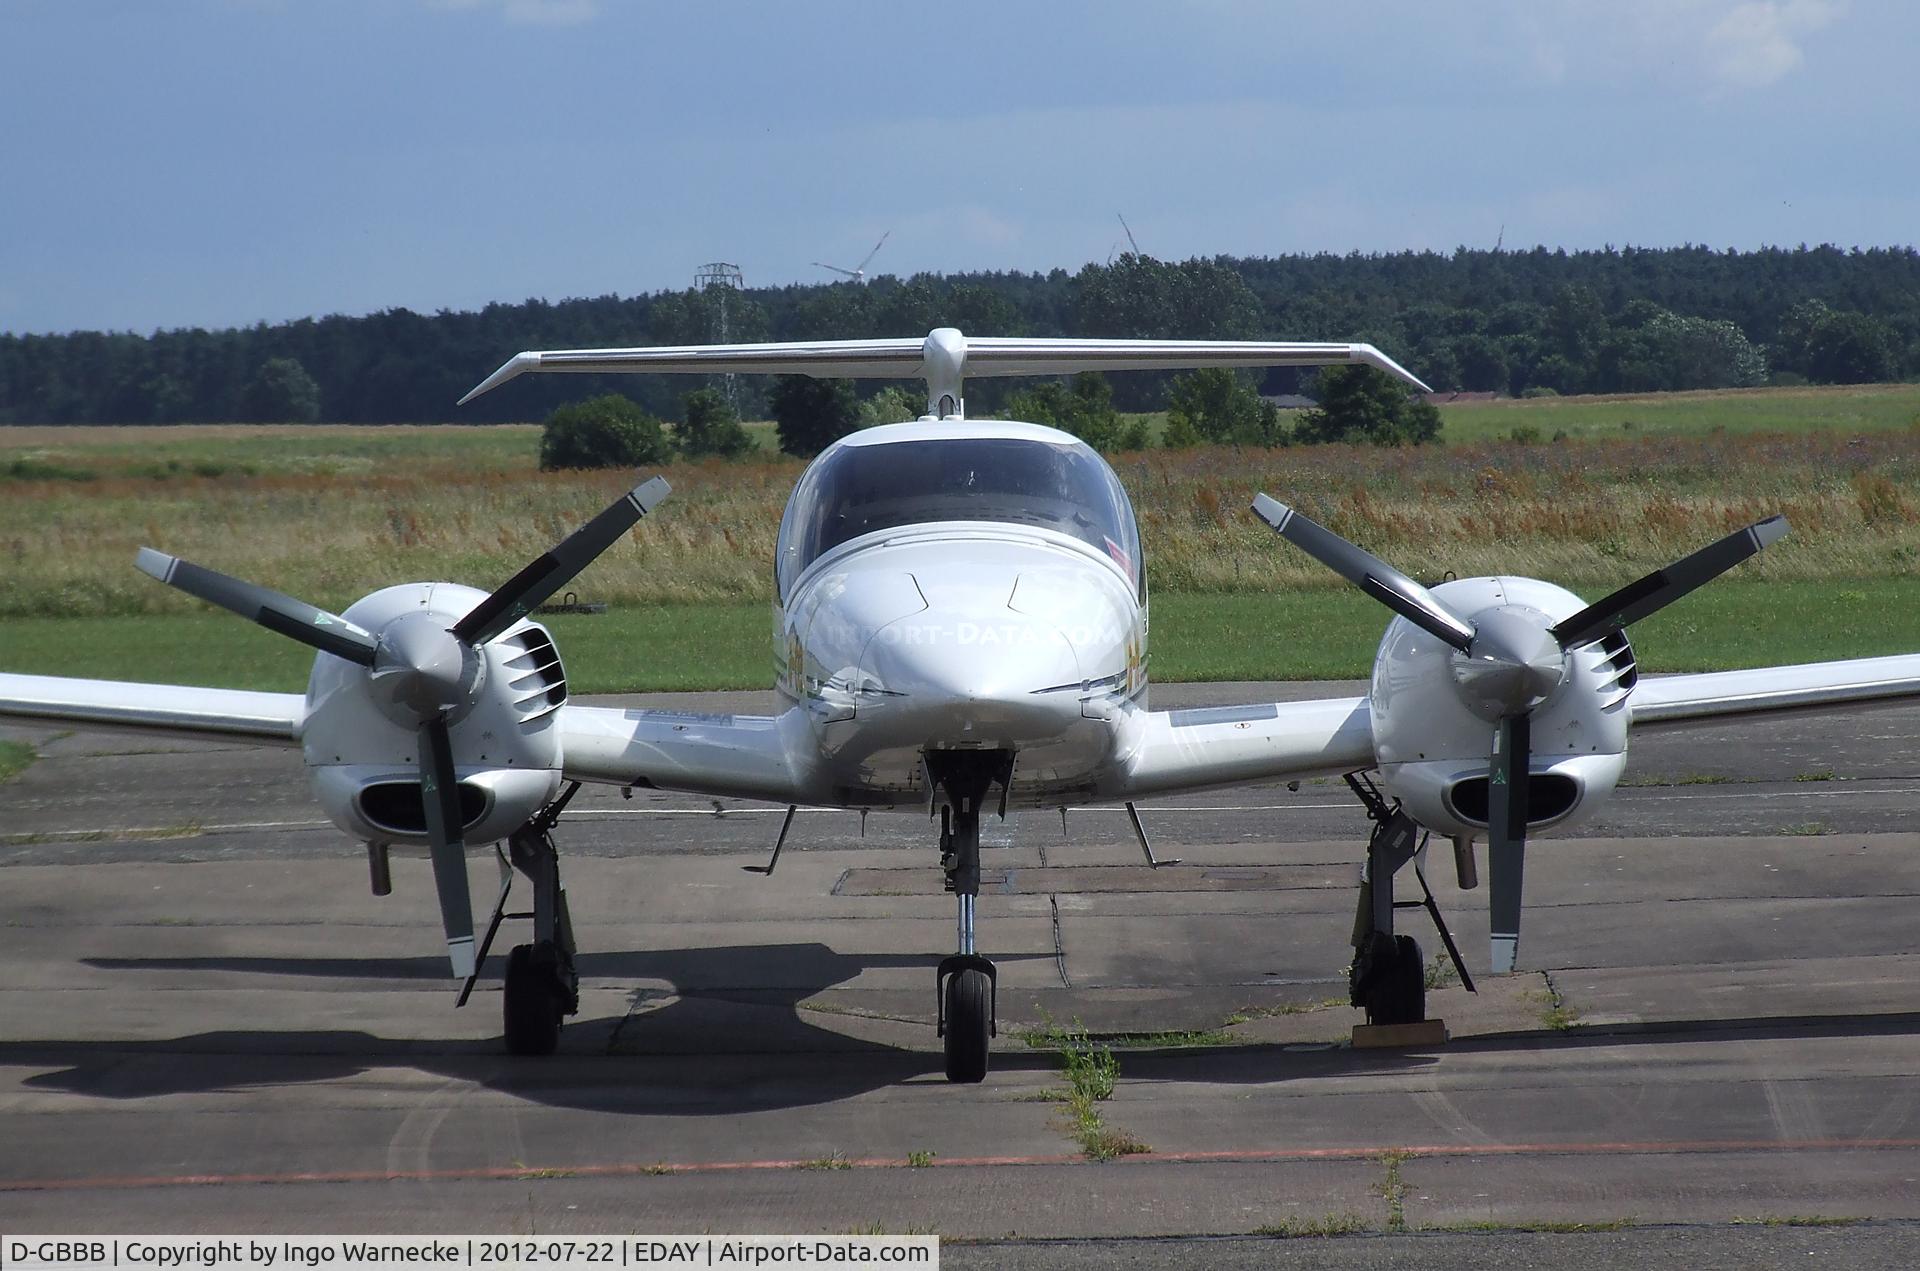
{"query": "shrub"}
pixel 1219 405
pixel 892 405
pixel 710 426
pixel 1358 403
pixel 602 432
pixel 1082 406
pixel 813 414
pixel 1135 436
pixel 281 392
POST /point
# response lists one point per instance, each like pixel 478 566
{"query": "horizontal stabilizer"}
pixel 944 355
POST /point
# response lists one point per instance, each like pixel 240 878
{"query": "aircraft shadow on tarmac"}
pixel 720 1045
pixel 730 1036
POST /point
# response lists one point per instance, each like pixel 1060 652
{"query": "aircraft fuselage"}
pixel 1012 619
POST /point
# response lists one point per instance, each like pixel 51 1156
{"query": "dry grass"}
pixel 1585 512
pixel 329 514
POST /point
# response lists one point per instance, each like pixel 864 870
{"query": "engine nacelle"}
pixel 364 762
pixel 1433 746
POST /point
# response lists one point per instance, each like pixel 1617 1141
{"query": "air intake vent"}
pixel 396 806
pixel 1550 796
pixel 534 675
pixel 1618 665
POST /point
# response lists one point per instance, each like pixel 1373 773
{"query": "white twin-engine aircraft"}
pixel 961 608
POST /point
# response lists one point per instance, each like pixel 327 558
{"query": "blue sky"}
pixel 213 162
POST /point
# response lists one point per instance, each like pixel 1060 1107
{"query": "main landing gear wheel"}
pixel 1389 980
pixel 535 1000
pixel 969 1023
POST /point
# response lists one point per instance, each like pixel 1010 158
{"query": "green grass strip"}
pixel 1328 633
pixel 14 758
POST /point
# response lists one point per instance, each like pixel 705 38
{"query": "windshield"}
pixel 859 489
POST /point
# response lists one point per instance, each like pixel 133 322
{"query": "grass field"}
pixel 1855 409
pixel 1308 634
pixel 330 513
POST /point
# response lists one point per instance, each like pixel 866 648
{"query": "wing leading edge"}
pixel 170 710
pixel 731 756
pixel 1662 700
pixel 1185 750
pixel 1213 746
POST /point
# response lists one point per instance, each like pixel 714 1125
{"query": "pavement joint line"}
pixel 621 1169
pixel 1059 948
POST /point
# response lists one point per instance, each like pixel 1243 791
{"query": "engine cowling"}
pixel 1433 744
pixel 362 752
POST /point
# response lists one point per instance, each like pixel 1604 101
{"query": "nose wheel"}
pixel 968 985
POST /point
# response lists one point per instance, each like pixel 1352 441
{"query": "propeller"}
pixel 311 626
pixel 426 668
pixel 1507 663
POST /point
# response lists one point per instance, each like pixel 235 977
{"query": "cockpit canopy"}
pixel 860 488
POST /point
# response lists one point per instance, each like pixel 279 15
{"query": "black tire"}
pixel 531 1006
pixel 969 1008
pixel 1399 989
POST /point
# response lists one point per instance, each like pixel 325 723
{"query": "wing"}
pixel 1175 751
pixel 171 710
pixel 733 756
pixel 911 358
pixel 1661 700
pixel 1182 750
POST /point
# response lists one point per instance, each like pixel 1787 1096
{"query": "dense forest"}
pixel 1509 322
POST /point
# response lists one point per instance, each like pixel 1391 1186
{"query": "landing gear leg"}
pixel 542 987
pixel 1388 976
pixel 966 983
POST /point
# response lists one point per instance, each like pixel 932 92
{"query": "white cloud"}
pixel 1757 43
pixel 1718 44
pixel 542 12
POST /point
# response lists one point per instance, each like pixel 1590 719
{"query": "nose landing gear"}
pixel 966 985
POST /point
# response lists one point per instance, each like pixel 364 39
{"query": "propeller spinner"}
pixel 428 674
pixel 1507 661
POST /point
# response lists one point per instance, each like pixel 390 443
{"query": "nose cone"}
pixel 1513 663
pixel 971 675
pixel 420 666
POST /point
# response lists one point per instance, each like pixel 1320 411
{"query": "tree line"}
pixel 1618 320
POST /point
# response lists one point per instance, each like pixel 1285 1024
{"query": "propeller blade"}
pixel 313 627
pixel 522 593
pixel 1366 571
pixel 1507 835
pixel 440 798
pixel 1662 587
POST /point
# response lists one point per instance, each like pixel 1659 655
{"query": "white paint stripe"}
pixel 1908 792
pixel 150 831
pixel 587 814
